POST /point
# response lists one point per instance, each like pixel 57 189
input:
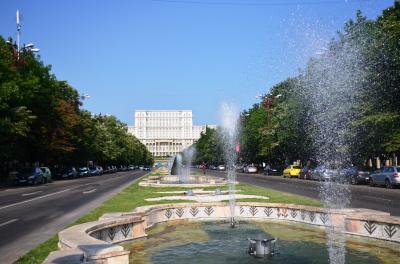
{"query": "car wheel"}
pixel 371 182
pixel 388 184
pixel 354 181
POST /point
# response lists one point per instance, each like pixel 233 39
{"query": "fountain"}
pixel 331 90
pixel 229 137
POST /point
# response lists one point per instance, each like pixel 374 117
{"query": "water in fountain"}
pixel 179 167
pixel 188 157
pixel 229 135
pixel 331 85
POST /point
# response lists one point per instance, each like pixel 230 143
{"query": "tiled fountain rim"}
pixel 360 222
pixel 151 181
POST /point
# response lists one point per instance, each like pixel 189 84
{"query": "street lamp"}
pixel 30 47
pixel 85 96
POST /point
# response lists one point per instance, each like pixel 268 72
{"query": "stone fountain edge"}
pixel 96 242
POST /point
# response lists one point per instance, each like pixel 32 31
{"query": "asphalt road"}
pixel 31 215
pixel 362 196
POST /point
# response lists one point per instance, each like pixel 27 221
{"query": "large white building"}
pixel 166 132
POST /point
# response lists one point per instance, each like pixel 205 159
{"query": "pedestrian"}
pixel 203 167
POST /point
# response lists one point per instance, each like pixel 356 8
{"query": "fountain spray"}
pixel 229 134
pixel 331 86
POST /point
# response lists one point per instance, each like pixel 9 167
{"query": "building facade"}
pixel 166 132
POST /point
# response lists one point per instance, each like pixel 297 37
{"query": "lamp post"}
pixel 17 49
pixel 85 96
pixel 267 102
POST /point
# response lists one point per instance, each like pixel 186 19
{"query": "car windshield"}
pixel 83 169
pixel 296 167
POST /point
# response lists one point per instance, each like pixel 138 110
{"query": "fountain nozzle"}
pixel 233 222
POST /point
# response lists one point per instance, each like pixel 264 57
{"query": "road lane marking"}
pixel 90 191
pixel 27 194
pixel 8 222
pixel 33 199
pixel 377 198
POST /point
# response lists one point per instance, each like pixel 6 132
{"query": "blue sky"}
pixel 144 54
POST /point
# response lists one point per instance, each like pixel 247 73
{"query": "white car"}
pixel 251 169
pixel 221 167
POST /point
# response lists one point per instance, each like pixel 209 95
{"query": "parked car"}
pixel 268 170
pixel 239 168
pixel 109 169
pixel 84 172
pixel 355 175
pixel 146 168
pixel 67 173
pixel 324 173
pixel 388 176
pixel 221 168
pixel 131 167
pixel 250 169
pixel 121 168
pixel 291 171
pixel 101 170
pixel 94 171
pixel 306 173
pixel 212 167
pixel 46 174
pixel 29 176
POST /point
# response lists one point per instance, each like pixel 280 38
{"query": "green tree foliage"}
pixel 41 120
pixel 253 122
pixel 209 148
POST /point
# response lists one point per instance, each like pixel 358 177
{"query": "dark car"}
pixel 67 173
pixel 84 172
pixel 94 171
pixel 122 168
pixel 239 168
pixel 213 167
pixel 355 175
pixel 29 176
pixel 306 173
pixel 146 168
pixel 268 170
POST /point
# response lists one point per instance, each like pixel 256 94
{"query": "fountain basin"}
pixel 99 240
pixel 214 242
pixel 190 181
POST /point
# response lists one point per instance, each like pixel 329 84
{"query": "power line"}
pixel 230 3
